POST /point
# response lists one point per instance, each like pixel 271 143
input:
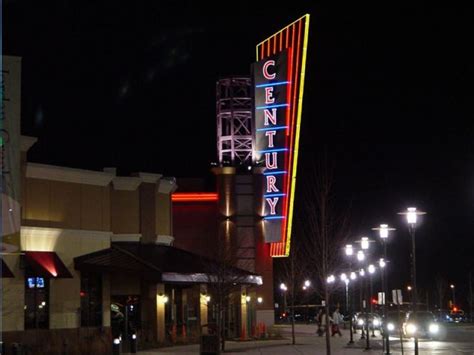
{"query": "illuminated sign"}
pixel 194 197
pixel 279 83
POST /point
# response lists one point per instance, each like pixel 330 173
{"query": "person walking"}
pixel 324 321
pixel 336 321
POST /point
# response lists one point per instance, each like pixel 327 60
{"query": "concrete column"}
pixel 161 300
pixel 203 308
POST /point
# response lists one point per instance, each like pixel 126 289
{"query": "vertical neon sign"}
pixel 279 84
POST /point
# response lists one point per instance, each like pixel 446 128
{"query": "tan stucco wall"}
pixel 124 211
pixel 13 296
pixel 163 214
pixel 66 205
pixel 64 300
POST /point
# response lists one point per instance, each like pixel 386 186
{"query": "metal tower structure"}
pixel 234 121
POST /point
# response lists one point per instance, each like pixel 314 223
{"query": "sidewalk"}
pixel 307 342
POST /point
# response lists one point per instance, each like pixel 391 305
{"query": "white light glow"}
pixel 283 287
pixel 353 275
pixel 307 283
pixel 382 263
pixel 260 300
pixel 383 231
pixel 349 250
pixel 364 242
pixel 371 269
pixel 390 327
pixel 360 255
pixel 411 329
pixel 411 215
pixel 343 277
pixel 434 328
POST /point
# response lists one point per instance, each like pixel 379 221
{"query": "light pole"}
pixel 412 216
pixel 361 258
pixel 284 288
pixel 371 270
pixel 306 286
pixel 384 231
pixel 349 253
pixel 365 244
pixel 454 294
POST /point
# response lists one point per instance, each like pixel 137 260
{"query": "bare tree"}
pixel 293 272
pixel 326 229
pixel 225 279
pixel 441 286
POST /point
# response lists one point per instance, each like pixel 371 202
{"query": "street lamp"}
pixel 454 295
pixel 384 231
pixel 371 270
pixel 412 216
pixel 284 288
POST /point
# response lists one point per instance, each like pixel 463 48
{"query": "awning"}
pixel 46 264
pixel 6 272
pixel 160 262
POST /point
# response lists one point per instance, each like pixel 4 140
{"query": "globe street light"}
pixel 412 217
pixel 384 231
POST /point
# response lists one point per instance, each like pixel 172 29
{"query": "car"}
pixel 394 321
pixel 457 316
pixel 421 324
pixel 359 320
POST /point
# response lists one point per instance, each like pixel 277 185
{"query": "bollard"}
pixel 116 347
pixel 133 344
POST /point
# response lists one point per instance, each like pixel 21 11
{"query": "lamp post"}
pixel 365 244
pixel 412 215
pixel 306 286
pixel 360 259
pixel 349 253
pixel 384 231
pixel 371 270
pixel 454 294
pixel 284 288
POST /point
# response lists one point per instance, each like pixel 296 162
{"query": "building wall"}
pixel 66 205
pixel 125 213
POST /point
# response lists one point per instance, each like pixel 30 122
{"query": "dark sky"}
pixel 388 95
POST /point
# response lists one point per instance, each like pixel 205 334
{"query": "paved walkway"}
pixel 307 342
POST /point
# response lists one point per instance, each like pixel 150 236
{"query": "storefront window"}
pixel 36 302
pixel 91 300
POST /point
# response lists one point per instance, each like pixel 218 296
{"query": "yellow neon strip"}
pixel 297 138
pixel 284 28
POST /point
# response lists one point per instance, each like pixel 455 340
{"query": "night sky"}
pixel 388 95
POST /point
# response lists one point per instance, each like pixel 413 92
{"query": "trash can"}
pixel 209 343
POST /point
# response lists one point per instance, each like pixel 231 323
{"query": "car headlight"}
pixel 434 328
pixel 376 322
pixel 390 327
pixel 411 328
pixel 360 322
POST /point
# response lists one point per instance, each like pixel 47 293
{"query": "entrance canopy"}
pixel 162 263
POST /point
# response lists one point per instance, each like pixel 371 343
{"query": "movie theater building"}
pixel 96 249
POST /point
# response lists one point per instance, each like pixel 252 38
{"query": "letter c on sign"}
pixel 266 74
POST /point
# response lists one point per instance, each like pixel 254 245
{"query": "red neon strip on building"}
pixel 194 197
